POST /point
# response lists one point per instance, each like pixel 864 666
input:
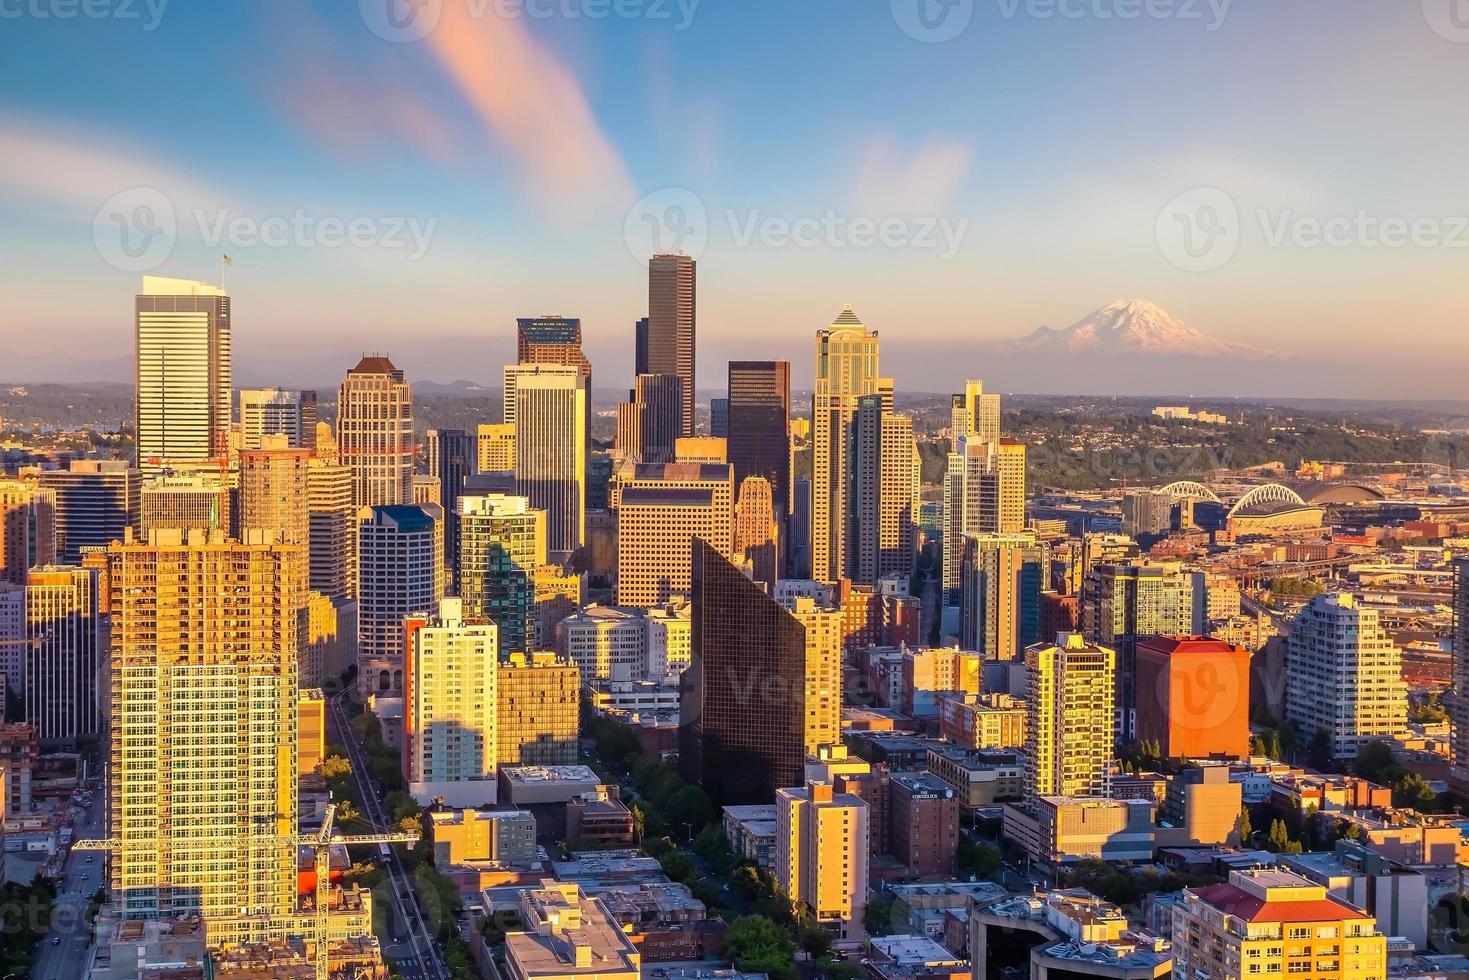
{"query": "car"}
pixel 56 941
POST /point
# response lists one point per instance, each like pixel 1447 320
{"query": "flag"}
pixel 228 260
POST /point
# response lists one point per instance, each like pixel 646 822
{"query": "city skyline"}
pixel 1045 243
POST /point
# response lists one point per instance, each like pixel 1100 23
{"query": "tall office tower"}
pixel 64 627
pixel 661 508
pixel 815 862
pixel 1002 488
pixel 502 543
pixel 759 426
pixel 27 529
pixel 798 550
pixel 651 422
pixel 558 594
pixel 275 490
pixel 640 347
pixel 1000 594
pixel 1068 721
pixel 754 682
pixel 375 432
pixel 846 370
pixel 551 452
pixel 203 715
pixel 451 458
pixel 96 503
pixel 555 340
pixel 1459 703
pixel 719 418
pixel 273 411
pixel 495 447
pixel 756 531
pixel 882 537
pixel 973 413
pixel 1120 604
pixel 450 708
pixel 1193 697
pixel 400 570
pixel 184 385
pixel 1278 921
pixel 1343 675
pixel 184 502
pixel 538 710
pixel 331 520
pixel 669 348
pixel 984 493
pixel 13 644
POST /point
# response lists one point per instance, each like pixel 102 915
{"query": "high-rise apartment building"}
pixel 183 502
pixel 274 411
pixel 14 646
pixel 331 520
pixel 759 427
pixel 64 630
pixel 1068 722
pixel 1193 697
pixel 820 861
pixel 1002 577
pixel 671 325
pixel 821 677
pixel 450 707
pixel 1343 675
pixel 1273 923
pixel 555 340
pixel 375 432
pixel 183 374
pixel 27 528
pixel 846 370
pixel 275 490
pixel 984 493
pixel 551 452
pixel 96 503
pixel 502 543
pixel 757 537
pixel 974 413
pixel 400 571
pixel 451 458
pixel 754 689
pixel 202 792
pixel 495 447
pixel 885 471
pixel 539 698
pixel 661 509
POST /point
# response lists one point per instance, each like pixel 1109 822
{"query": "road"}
pixel 80 878
pixel 417 957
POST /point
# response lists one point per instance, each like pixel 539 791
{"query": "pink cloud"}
pixel 895 180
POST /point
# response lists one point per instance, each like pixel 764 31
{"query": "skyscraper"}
pixel 747 690
pixel 671 325
pixel 1000 594
pixel 1068 722
pixel 183 375
pixel 661 508
pixel 275 490
pixel 550 452
pixel 450 708
pixel 375 432
pixel 651 422
pixel 974 413
pixel 96 503
pixel 64 630
pixel 1343 676
pixel 846 370
pixel 185 502
pixel 451 458
pixel 984 493
pixel 273 411
pixel 502 543
pixel 759 421
pixel 332 525
pixel 27 529
pixel 1193 697
pixel 539 699
pixel 882 536
pixel 203 716
pixel 399 572
pixel 756 531
pixel 555 340
pixel 818 861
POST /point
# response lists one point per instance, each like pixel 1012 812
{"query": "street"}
pixel 416 957
pixel 81 877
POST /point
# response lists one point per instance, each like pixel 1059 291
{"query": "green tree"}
pixel 814 940
pixel 1375 763
pixel 1413 792
pixel 759 945
pixel 978 859
pixel 1320 753
pixel 690 808
pixel 1246 829
pixel 1278 840
pixel 745 882
pixel 679 866
pixel 877 918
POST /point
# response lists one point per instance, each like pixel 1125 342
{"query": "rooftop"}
pixel 549 774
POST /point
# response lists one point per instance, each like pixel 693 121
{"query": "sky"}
pixel 409 176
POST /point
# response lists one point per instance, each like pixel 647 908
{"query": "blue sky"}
pixel 518 146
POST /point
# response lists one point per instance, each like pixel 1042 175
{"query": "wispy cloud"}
pixel 894 180
pixel 533 107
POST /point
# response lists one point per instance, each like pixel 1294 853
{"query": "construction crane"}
pixel 320 843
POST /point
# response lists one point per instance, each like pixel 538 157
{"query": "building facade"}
pixel 185 395
pixel 375 432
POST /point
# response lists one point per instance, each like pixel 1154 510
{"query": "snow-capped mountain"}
pixel 1134 326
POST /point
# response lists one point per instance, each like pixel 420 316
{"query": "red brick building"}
pixel 924 814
